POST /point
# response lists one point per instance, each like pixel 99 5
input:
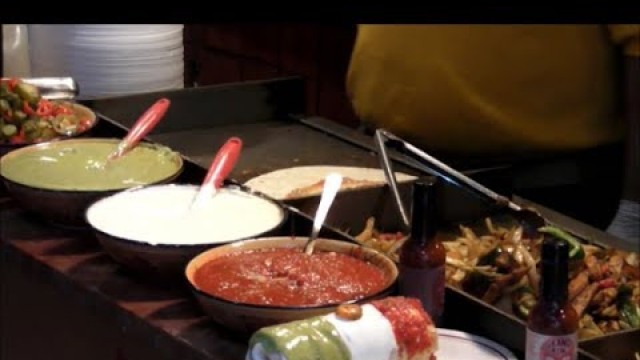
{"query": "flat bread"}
pixel 307 181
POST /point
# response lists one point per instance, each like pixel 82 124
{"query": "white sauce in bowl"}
pixel 161 215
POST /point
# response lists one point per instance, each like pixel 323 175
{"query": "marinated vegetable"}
pixel 604 284
pixel 500 261
pixel 25 117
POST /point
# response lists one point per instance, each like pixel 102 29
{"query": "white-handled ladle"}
pixel 332 184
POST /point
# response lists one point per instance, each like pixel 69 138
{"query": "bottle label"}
pixel 426 284
pixel 543 347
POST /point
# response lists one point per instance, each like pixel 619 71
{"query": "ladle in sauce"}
pixel 138 131
pixel 331 186
pixel 221 166
pixel 141 128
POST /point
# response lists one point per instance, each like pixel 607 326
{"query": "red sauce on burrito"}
pixel 410 323
pixel 288 277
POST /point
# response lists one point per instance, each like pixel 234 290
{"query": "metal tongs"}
pixel 54 88
pixel 530 219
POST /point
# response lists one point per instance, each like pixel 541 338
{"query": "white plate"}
pixel 458 345
pixel 277 184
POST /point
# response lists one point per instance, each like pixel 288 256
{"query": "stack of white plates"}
pixel 110 60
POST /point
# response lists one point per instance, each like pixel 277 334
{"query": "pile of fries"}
pixel 387 243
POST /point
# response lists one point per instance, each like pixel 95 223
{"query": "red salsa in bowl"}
pixel 249 284
pixel 289 277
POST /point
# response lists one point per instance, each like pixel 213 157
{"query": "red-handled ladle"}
pixel 141 128
pixel 221 166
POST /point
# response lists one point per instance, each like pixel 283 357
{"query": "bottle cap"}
pixel 424 210
pixel 554 269
pixel 554 250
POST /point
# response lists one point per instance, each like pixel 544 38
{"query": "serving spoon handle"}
pixel 141 128
pixel 221 166
pixel 332 184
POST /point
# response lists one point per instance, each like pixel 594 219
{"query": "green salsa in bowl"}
pixel 60 179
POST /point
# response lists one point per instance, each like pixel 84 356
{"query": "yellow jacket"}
pixel 492 88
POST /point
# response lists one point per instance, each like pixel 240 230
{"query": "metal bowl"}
pixel 64 207
pixel 94 119
pixel 163 261
pixel 246 318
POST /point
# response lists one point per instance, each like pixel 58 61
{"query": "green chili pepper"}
pixel 4 105
pixel 523 300
pixel 630 313
pixel 9 130
pixel 4 88
pixel 14 100
pixel 28 92
pixel 576 251
pixel 19 116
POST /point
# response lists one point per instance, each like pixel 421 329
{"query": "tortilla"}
pixel 307 181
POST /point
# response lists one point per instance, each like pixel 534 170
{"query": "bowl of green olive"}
pixel 27 118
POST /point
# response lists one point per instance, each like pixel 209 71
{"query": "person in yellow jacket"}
pixel 515 92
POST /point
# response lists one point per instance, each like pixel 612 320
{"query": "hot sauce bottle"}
pixel 553 322
pixel 422 257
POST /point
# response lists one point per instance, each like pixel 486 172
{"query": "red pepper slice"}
pixel 83 125
pixel 27 109
pixel 17 139
pixel 62 110
pixel 44 108
pixel 606 283
pixel 7 116
pixel 11 84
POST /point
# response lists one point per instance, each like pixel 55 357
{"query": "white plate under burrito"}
pixel 279 183
pixel 458 345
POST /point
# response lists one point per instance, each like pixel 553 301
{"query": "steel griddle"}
pixel 266 115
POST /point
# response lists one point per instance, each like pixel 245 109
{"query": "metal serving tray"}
pixel 463 311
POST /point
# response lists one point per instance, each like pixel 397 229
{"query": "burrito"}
pixel 394 328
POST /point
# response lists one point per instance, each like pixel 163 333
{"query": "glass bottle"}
pixel 553 322
pixel 422 257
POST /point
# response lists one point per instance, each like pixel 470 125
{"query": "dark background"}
pixel 232 52
pixel 224 53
